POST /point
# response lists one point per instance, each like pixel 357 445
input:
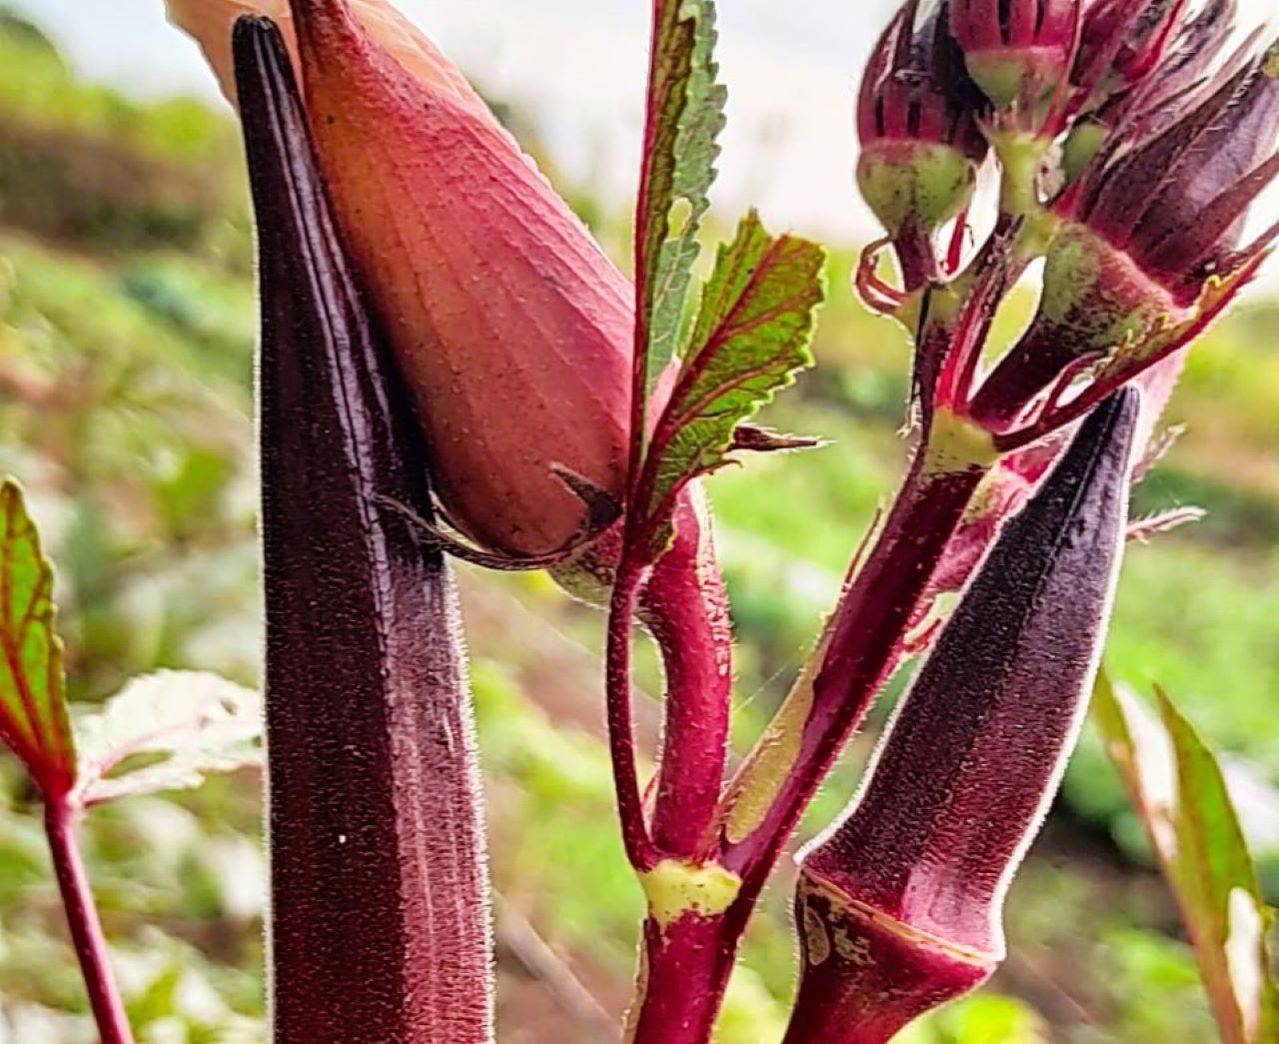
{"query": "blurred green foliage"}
pixel 126 330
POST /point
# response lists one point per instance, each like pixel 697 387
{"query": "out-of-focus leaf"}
pixel 1178 788
pixel 33 711
pixel 167 731
pixel 686 115
pixel 979 1019
pixel 750 339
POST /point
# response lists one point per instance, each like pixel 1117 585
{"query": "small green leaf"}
pixel 33 711
pixel 686 115
pixel 167 731
pixel 750 339
pixel 1179 791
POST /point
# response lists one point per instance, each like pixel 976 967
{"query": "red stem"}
pixel 916 256
pixel 686 608
pixel 621 733
pixel 687 965
pixel 61 815
pixel 870 624
pixel 684 972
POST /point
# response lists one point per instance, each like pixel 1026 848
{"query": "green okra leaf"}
pixel 1180 793
pixel 685 118
pixel 750 339
pixel 34 722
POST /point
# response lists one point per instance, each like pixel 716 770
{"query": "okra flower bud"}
pixel 1153 223
pixel 511 327
pixel 1157 99
pixel 1018 51
pixel 899 905
pixel 1122 41
pixel 921 143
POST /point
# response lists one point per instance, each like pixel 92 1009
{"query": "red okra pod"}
pixel 899 905
pixel 378 924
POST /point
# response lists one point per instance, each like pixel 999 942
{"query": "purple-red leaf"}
pixel 379 895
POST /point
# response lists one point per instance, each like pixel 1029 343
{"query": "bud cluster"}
pixel 917 116
pixel 1131 142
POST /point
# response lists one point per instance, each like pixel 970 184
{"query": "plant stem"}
pixel 686 608
pixel 1020 155
pixel 684 971
pixel 867 634
pixel 687 965
pixel 621 734
pixel 61 815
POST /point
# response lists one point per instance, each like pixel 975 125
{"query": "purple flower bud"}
pixel 917 121
pixel 1155 216
pixel 1122 41
pixel 1018 51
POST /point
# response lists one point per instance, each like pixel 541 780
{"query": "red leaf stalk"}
pixel 686 608
pixel 379 914
pixel 866 644
pixel 900 903
pixel 61 815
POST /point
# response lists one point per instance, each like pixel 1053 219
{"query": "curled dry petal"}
pixel 900 903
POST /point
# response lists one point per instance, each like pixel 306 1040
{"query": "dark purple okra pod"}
pixel 379 914
pixel 899 905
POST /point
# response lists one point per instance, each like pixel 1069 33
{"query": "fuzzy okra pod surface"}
pixel 900 904
pixel 378 922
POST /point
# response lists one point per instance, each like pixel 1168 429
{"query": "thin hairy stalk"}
pixel 61 817
pixel 621 737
